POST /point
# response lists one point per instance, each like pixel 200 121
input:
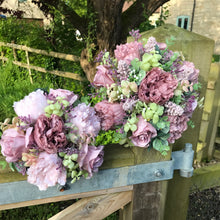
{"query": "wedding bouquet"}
pixel 144 96
pixel 52 138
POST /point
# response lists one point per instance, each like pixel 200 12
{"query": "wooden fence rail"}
pixel 28 66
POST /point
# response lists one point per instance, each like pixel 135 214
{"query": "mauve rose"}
pixel 49 133
pixel 129 51
pixel 144 133
pixel 66 94
pixel 90 158
pixel 32 105
pixel 103 77
pixel 158 86
pixel 111 114
pixel 47 171
pixel 12 144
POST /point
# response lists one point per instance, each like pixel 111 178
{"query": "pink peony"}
pixel 90 158
pixel 66 94
pixel 187 71
pixel 178 124
pixel 12 144
pixel 85 119
pixel 144 133
pixel 103 77
pixel 110 113
pixel 129 51
pixel 49 133
pixel 32 105
pixel 158 86
pixel 47 171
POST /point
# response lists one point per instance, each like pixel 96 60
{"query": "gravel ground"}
pixel 204 205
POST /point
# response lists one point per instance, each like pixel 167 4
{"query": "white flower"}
pixel 32 105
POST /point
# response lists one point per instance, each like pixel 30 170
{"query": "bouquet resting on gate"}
pixel 144 97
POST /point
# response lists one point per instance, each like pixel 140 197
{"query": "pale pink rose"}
pixel 47 171
pixel 158 86
pixel 66 94
pixel 103 76
pixel 32 105
pixel 162 46
pixel 144 133
pixel 12 144
pixel 111 114
pixel 49 133
pixel 90 158
pixel 129 51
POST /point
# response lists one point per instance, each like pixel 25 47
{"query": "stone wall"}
pixel 31 11
pixel 206 17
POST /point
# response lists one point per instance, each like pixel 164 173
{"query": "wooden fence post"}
pixel 28 63
pixel 148 202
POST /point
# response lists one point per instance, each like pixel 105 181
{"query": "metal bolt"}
pixel 158 173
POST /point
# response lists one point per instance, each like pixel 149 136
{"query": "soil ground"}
pixel 204 205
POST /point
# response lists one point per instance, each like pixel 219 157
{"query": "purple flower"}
pixel 66 94
pixel 46 171
pixel 12 144
pixel 187 71
pixel 90 158
pixel 178 124
pixel 86 121
pixel 49 133
pixel 191 105
pixel 32 105
pixel 144 133
pixel 158 86
pixel 151 43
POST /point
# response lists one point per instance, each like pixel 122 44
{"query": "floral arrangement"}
pixel 144 96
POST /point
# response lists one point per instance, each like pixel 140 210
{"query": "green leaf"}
pixel 126 127
pixel 157 143
pixel 155 119
pixel 161 125
pixel 133 127
pixel 12 166
pixel 153 106
pixel 3 164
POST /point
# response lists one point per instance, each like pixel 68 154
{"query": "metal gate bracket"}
pixel 183 160
pixel 104 179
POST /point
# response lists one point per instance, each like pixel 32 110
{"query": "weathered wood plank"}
pixel 66 197
pixel 206 177
pixel 70 75
pixel 42 52
pixel 97 207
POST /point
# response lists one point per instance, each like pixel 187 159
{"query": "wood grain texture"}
pixel 97 207
pixel 66 197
